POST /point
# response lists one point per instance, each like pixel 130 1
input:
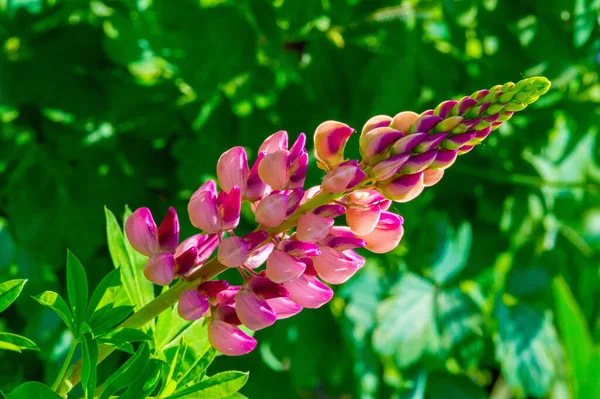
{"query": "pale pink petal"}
pixel 254 312
pixel 203 210
pixel 387 235
pixel 259 256
pixel 271 211
pixel 334 267
pixel 160 268
pixel 274 169
pixel 313 228
pixel 431 177
pixel 141 232
pixel 233 251
pixel 362 220
pixel 276 141
pixel 282 267
pixel 232 169
pixel 284 307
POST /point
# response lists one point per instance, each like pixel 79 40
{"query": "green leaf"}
pixel 104 295
pixel 125 334
pixel 405 321
pixel 110 319
pixel 417 390
pixel 577 338
pixel 525 346
pixel 145 384
pixel 127 372
pixel 16 343
pixel 139 290
pixel 170 382
pixel 217 386
pixel 198 369
pixel 77 289
pixel 32 390
pixel 58 304
pixel 443 385
pixel 584 21
pixel 454 255
pixel 9 291
pixel 7 245
pixel 89 354
pixel 461 326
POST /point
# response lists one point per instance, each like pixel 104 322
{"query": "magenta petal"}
pixel 186 261
pixel 387 168
pixel 294 198
pixel 444 159
pixel 298 147
pixel 282 267
pixel 403 188
pixel 233 251
pixel 254 312
pixel 309 292
pixel 407 143
pixel 168 231
pixel 265 288
pixel 232 169
pixel 227 296
pixel 334 267
pixel 256 189
pixel 330 210
pixel 229 339
pixel 255 238
pixel 259 256
pixel 192 305
pixel 160 268
pixel 343 243
pixel 206 246
pixel 212 287
pixel 272 210
pixel 141 232
pixel 418 163
pixel 343 177
pixel 299 249
pixel 330 140
pixel 313 228
pixel 231 208
pixel 284 307
pixel 203 210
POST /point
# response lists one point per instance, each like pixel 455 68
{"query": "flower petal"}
pixel 232 169
pixel 282 267
pixel 313 228
pixel 233 251
pixel 284 307
pixel 192 305
pixel 160 268
pixel 141 232
pixel 308 292
pixel 254 312
pixel 229 339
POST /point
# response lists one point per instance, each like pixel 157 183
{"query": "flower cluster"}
pixel 299 237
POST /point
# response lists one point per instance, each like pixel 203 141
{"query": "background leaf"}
pixel 77 288
pixel 16 343
pixel 33 390
pixel 9 291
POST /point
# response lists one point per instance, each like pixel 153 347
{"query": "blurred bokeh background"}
pixel 114 103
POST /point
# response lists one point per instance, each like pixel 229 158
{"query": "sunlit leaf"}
pixel 9 291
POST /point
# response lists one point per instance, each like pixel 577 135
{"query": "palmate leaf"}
pixel 127 373
pixel 526 344
pixel 55 302
pixel 104 295
pixel 406 327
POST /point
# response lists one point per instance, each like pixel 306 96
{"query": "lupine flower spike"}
pixel 300 243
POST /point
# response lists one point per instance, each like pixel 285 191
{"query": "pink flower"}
pixel 343 177
pixel 282 267
pixel 403 188
pixel 213 213
pixel 234 251
pixel 194 251
pixel 146 238
pixel 192 305
pixel 282 169
pixel 336 267
pixel 250 302
pixel 313 228
pixel 308 292
pixel 386 235
pixel 272 210
pixel 232 170
pixel 364 208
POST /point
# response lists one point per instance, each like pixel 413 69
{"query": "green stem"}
pixel 168 298
pixel 65 365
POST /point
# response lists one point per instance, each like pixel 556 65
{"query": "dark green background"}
pixel 132 102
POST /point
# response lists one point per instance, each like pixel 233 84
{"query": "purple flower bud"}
pixel 283 267
pixel 229 339
pixel 233 251
pixel 313 228
pixel 424 123
pixel 418 163
pixel 374 144
pixel 160 268
pixel 330 141
pixel 375 122
pixel 444 159
pixel 336 267
pixel 402 121
pixel 344 176
pixel 294 198
pixel 464 105
pixel 430 142
pixel 387 168
pixel 308 292
pixel 406 144
pixel 255 238
pixel 298 169
pixel 276 141
pixel 168 231
pixel 284 307
pixel 256 189
pixel 330 210
pixel 445 109
pixel 232 169
pixel 403 188
pixel 343 243
pixel 465 149
pixel 272 210
pixel 142 233
pixel 192 305
pixel 386 235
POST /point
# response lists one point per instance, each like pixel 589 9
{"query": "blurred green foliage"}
pixel 132 102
